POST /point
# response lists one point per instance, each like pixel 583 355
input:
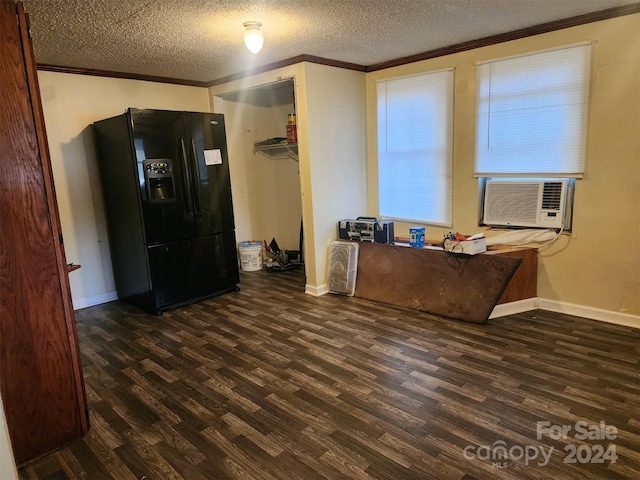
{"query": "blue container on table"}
pixel 416 237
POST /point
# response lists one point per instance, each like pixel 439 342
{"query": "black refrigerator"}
pixel 167 192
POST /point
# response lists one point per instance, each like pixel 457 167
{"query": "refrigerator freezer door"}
pixel 210 173
pixel 159 139
pixel 186 271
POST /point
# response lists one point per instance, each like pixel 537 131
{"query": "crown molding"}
pixel 286 63
pixel 513 35
pixel 110 74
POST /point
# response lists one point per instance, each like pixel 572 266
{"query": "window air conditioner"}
pixel 525 203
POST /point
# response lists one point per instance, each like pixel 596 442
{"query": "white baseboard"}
pixel 591 313
pixel 511 308
pixel 316 291
pixel 608 316
pixel 95 300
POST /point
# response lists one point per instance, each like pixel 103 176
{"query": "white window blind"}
pixel 532 114
pixel 415 131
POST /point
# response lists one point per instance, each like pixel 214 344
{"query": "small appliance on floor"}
pixel 343 267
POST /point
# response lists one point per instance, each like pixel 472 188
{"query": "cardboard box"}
pixel 467 247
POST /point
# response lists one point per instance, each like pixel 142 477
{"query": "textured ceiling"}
pixel 201 40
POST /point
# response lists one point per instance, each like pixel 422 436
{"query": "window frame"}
pixel 567 90
pixel 444 217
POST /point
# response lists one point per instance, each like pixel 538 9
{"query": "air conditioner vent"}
pixel 512 202
pixel 552 196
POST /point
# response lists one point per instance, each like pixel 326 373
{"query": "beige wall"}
pixel 335 135
pixel 598 265
pixel 7 464
pixel 71 103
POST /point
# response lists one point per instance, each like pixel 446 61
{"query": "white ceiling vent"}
pixel 525 203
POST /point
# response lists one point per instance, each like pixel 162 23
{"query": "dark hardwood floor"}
pixel 269 383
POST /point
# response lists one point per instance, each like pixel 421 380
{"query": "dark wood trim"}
pixel 254 71
pixel 177 81
pixel 439 52
pixel 335 63
pixel 513 35
pixel 285 63
pixel 128 76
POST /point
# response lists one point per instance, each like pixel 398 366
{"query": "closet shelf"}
pixel 277 148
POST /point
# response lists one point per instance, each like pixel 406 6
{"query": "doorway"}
pixel 265 181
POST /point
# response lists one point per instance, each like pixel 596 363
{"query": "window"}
pixel 415 132
pixel 532 114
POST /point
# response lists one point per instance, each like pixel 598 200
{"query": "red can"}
pixel 292 134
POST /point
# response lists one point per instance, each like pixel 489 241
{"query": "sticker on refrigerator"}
pixel 213 157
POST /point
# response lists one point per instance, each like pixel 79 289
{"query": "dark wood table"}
pixel 463 287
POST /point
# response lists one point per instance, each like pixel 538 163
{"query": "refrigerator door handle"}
pixel 186 179
pixel 196 177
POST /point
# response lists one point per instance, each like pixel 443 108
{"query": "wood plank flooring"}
pixel 272 384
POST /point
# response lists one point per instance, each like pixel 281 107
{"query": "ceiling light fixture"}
pixel 253 37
